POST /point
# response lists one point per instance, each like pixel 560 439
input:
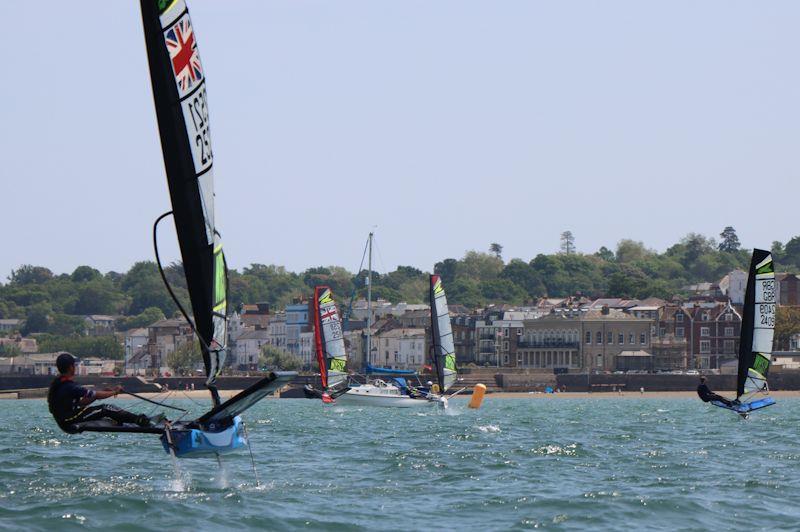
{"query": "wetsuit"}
pixel 64 399
pixel 707 395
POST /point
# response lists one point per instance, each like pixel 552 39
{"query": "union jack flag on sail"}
pixel 183 54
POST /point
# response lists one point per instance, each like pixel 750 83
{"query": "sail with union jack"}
pixel 328 339
pixel 181 104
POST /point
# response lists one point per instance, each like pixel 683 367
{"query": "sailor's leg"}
pixel 116 414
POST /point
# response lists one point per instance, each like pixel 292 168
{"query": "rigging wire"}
pixel 252 458
pixel 169 286
pixel 153 402
pixel 349 310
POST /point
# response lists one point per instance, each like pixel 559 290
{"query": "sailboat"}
pixel 181 106
pixel 329 347
pixel 393 391
pixel 755 343
pixel 444 353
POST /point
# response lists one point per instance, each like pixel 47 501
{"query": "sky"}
pixel 444 125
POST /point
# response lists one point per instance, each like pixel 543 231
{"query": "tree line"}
pixel 55 303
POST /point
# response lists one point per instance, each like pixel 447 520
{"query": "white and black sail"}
pixel 444 353
pixel 179 91
pixel 758 324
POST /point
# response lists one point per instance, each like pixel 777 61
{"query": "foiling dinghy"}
pixel 181 106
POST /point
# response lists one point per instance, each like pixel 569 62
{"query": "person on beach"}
pixel 707 395
pixel 69 402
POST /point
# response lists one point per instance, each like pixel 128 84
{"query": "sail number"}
pixel 766 313
pixel 768 290
pixel 198 110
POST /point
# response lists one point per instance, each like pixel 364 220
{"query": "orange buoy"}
pixel 477 396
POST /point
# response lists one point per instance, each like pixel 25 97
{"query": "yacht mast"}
pixel 369 303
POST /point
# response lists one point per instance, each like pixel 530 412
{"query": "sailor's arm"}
pixel 93 395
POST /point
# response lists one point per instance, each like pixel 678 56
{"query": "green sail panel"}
pixel 444 353
pixel 181 103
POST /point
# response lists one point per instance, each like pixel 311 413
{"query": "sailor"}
pixel 69 403
pixel 707 395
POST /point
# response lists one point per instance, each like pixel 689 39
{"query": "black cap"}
pixel 64 362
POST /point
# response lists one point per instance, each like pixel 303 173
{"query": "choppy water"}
pixel 662 464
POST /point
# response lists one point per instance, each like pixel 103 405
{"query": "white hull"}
pixel 386 396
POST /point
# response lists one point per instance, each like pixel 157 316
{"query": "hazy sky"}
pixel 446 124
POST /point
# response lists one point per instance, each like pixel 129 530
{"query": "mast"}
pixel 179 94
pixel 369 302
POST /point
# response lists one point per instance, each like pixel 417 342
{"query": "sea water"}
pixel 543 462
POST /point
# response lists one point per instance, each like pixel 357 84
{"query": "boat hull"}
pixel 384 397
pixel 196 443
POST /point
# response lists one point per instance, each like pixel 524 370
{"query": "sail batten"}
pixel 328 339
pixel 758 324
pixel 444 355
pixel 179 93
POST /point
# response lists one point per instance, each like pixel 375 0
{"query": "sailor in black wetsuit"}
pixel 69 403
pixel 707 395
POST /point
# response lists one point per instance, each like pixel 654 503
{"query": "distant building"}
pixel 255 316
pixel 712 334
pixel 497 342
pixel 98 325
pixel 163 337
pixel 248 349
pixel 307 351
pixel 10 324
pixel 400 348
pixel 296 322
pixel 588 339
pixel 277 330
pixel 733 286
pixel 135 345
pixel 24 344
pixel 788 289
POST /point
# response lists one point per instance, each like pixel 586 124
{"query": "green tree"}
pixel 605 254
pixel 10 350
pixel 277 359
pixel 446 270
pixel 147 317
pixel 522 274
pixel 185 358
pixel 83 346
pixel 496 250
pixel 84 274
pixel 479 266
pixel 29 274
pixel 730 241
pixel 631 251
pixel 37 319
pixel 567 242
pixel 787 324
pixel 465 291
pixel 66 325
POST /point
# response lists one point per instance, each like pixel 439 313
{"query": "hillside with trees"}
pixel 55 303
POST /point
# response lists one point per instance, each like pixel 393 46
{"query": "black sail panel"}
pixel 179 92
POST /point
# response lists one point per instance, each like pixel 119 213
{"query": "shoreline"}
pixel 227 394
